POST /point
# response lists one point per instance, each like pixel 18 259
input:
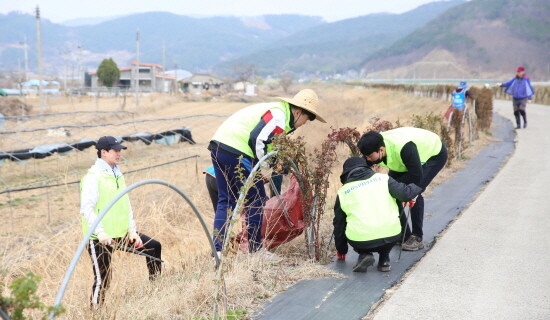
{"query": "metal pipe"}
pixel 83 243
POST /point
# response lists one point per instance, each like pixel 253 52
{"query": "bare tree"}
pixel 19 78
pixel 243 71
pixel 286 80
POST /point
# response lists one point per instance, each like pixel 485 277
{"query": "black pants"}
pixel 429 170
pixel 101 263
pixel 383 250
pixel 520 106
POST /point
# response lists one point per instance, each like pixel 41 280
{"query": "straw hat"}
pixel 306 99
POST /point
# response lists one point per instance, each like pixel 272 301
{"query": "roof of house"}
pixel 202 75
pixel 164 76
pixel 147 64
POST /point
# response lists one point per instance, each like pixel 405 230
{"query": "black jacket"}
pixel 399 191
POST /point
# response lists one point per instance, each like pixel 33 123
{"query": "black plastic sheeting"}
pixel 353 296
pixel 43 151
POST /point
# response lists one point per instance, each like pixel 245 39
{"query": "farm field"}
pixel 41 228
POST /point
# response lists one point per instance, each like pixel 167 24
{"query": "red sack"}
pixel 277 227
pixel 448 112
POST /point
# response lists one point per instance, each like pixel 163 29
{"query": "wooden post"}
pixel 39 52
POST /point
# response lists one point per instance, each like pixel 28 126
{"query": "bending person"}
pixel 237 146
pixel 413 155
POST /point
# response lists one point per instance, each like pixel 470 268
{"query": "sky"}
pixel 330 10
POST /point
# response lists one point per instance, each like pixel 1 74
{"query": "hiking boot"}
pixel 364 261
pixel 414 243
pixel 384 263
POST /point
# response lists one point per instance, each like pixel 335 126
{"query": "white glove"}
pixel 135 239
pixel 498 84
pixel 104 238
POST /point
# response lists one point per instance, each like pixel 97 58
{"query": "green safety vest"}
pixel 235 131
pixel 428 144
pixel 117 220
pixel 371 212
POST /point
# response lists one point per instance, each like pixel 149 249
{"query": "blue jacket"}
pixel 519 88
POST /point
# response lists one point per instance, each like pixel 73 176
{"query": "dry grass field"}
pixel 41 228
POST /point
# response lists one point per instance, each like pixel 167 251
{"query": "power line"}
pixel 114 123
pixel 78 181
pixel 65 113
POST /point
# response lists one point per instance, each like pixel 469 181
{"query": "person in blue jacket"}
pixel 521 91
pixel 460 94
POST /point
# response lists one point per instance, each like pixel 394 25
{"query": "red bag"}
pixel 277 227
pixel 448 112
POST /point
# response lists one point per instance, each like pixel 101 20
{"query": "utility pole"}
pixel 137 68
pixel 80 68
pixel 164 55
pixel 25 49
pixel 176 75
pixel 39 49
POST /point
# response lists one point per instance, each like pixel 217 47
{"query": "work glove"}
pixel 104 238
pixel 409 204
pixel 341 256
pixel 135 239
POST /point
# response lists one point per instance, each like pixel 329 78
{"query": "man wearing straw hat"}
pixel 239 143
pixel 103 182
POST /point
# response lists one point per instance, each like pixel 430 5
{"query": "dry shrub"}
pixel 437 124
pixel 483 107
pixel 10 106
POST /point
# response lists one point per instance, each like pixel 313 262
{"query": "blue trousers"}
pixel 230 182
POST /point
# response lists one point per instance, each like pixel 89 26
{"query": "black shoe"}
pixel 518 127
pixel 364 261
pixel 524 125
pixel 414 243
pixel 384 263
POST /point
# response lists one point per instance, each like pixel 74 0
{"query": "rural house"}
pixel 199 84
pixel 150 76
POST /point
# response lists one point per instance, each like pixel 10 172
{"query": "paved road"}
pixel 494 261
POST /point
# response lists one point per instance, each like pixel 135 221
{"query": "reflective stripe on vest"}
pixel 117 220
pixel 371 212
pixel 428 145
pixel 459 99
pixel 235 131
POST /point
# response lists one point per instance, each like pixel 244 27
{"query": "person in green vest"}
pixel 239 143
pixel 366 215
pixel 103 182
pixel 413 155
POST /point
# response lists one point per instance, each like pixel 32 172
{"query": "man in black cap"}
pixel 103 182
pixel 366 214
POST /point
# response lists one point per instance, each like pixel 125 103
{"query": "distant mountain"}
pixel 192 43
pixel 337 46
pixel 87 21
pixel 480 38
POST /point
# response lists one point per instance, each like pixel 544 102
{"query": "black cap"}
pixel 108 143
pixel 350 164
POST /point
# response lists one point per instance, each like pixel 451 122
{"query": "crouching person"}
pixel 366 215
